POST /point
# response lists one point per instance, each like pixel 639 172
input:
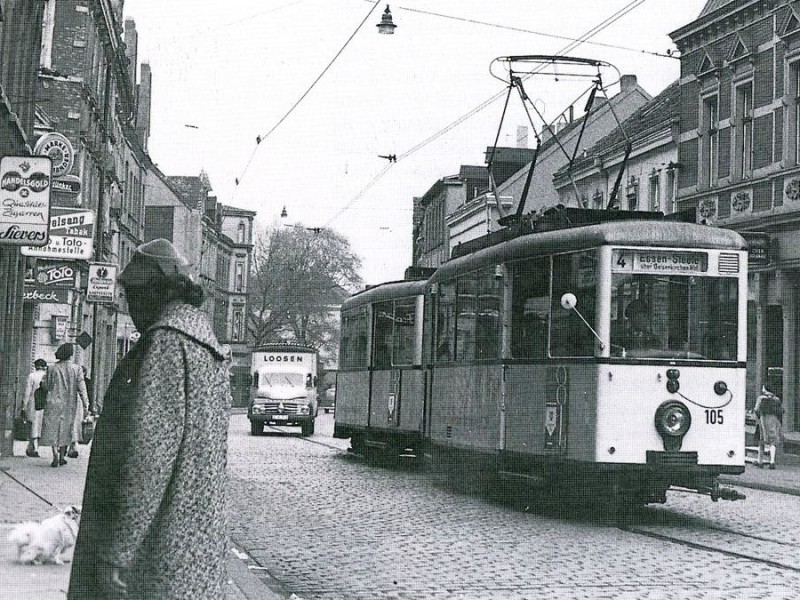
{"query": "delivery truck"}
pixel 284 387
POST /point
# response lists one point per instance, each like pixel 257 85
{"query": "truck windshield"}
pixel 282 379
pixel 677 316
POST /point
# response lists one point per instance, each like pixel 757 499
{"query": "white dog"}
pixel 47 541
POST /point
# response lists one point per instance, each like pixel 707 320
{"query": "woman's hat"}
pixel 40 363
pixel 152 259
pixel 64 351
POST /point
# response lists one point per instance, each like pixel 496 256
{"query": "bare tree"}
pixel 300 277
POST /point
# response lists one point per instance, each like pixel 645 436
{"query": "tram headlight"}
pixel 673 420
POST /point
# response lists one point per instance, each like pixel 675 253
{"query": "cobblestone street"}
pixel 329 526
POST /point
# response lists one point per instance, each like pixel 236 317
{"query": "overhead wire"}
pixel 261 138
pixel 604 24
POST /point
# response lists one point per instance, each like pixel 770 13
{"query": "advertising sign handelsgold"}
pixel 25 200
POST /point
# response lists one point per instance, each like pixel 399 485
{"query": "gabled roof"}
pixel 654 115
pixel 192 190
pixel 713 5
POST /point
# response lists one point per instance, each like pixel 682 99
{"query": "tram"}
pixel 607 356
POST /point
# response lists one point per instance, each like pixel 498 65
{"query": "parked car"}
pixel 328 400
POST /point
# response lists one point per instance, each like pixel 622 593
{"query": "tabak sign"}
pixel 25 200
pixel 71 235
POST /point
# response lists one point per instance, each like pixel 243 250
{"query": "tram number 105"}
pixel 714 416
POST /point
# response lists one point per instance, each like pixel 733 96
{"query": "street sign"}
pixel 84 340
pixel 24 200
pixel 102 282
pixel 71 235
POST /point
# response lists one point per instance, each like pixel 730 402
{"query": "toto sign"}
pixel 25 200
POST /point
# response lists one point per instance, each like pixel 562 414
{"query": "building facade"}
pixel 87 121
pixel 20 41
pixel 739 156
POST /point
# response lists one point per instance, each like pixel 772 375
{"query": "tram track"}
pixel 728 542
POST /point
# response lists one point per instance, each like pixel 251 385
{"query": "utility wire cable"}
pixel 531 31
pixel 261 138
pixel 604 24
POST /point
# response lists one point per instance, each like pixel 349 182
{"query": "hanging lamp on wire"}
pixel 386 26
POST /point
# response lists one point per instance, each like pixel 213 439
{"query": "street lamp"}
pixel 386 26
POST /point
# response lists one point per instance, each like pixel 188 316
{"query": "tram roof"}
pixel 385 291
pixel 645 233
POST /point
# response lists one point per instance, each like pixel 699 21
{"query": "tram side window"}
pixel 466 301
pixel 574 273
pixel 530 308
pixel 487 320
pixel 382 334
pixel 446 322
pixel 404 333
pixel 353 350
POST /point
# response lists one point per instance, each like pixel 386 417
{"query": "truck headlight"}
pixel 305 409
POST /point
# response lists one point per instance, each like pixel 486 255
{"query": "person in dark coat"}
pixel 153 513
pixel 769 411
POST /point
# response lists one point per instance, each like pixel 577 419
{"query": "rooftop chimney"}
pixel 627 83
pixel 522 136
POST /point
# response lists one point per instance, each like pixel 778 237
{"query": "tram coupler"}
pixel 718 492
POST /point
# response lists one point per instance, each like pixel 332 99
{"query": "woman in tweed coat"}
pixel 153 514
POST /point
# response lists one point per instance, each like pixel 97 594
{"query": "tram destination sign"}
pixel 659 261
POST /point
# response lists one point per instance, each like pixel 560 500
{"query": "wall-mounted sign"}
pixel 758 254
pixel 39 293
pixel 59 149
pixel 71 235
pixel 68 184
pixel 59 275
pixel 102 282
pixel 24 200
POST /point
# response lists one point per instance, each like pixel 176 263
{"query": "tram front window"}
pixel 674 317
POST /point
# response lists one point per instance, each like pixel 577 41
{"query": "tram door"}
pixel 535 391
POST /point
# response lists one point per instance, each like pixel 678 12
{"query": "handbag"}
pixel 40 397
pixel 21 427
pixel 87 431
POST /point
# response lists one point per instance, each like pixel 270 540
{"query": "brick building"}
pixel 20 40
pixel 739 159
pixel 87 107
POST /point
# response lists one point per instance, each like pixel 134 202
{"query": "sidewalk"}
pixel 785 479
pixel 31 490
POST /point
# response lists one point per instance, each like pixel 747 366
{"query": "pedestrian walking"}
pixel 81 414
pixel 769 410
pixel 153 513
pixel 65 390
pixel 34 414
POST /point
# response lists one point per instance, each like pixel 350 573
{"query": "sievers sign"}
pixel 24 200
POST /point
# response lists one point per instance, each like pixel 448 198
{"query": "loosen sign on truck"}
pixel 284 390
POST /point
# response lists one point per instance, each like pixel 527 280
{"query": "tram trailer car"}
pixel 608 358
